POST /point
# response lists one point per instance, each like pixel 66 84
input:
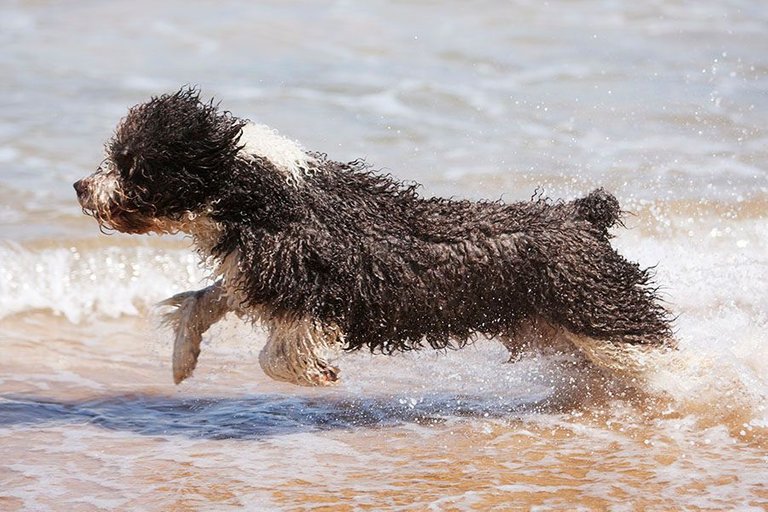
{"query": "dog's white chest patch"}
pixel 285 154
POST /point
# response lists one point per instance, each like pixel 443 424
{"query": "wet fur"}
pixel 359 259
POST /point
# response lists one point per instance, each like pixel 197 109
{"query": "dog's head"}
pixel 164 164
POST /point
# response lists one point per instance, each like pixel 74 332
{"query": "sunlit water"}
pixel 664 103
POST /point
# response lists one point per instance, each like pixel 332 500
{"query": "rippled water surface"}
pixel 664 103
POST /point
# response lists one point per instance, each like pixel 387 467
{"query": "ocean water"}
pixel 664 102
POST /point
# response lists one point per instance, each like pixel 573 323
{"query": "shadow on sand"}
pixel 260 416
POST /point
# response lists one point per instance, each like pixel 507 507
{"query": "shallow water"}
pixel 663 103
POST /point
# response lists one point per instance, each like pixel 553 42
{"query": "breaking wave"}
pixel 86 280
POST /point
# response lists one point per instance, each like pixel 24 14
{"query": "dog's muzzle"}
pixel 85 196
pixel 81 190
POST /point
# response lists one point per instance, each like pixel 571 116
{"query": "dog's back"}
pixel 394 269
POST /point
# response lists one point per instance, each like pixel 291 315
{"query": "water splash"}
pixel 87 280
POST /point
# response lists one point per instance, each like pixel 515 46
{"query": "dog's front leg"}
pixel 194 313
pixel 298 350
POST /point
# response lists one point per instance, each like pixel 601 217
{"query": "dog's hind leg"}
pixel 194 313
pixel 624 359
pixel 533 334
pixel 539 335
pixel 298 350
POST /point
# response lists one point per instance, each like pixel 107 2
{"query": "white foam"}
pixel 717 287
pixel 80 282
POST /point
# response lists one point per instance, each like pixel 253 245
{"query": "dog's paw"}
pixel 187 334
pixel 324 375
pixel 186 350
pixel 174 302
pixel 517 351
pixel 329 375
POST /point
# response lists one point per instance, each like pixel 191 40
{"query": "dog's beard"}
pixel 118 216
pixel 105 200
pixel 113 218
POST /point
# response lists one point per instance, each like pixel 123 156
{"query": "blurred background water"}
pixel 662 102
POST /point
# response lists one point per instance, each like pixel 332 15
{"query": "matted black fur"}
pixel 352 247
pixel 174 150
pixel 394 269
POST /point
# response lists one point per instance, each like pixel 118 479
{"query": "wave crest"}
pixel 82 281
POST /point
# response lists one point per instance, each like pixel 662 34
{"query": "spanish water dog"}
pixel 330 255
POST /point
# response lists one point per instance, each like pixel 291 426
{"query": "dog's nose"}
pixel 79 187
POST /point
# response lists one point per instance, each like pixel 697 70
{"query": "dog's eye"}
pixel 124 161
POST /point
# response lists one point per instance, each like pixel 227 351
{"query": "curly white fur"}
pixel 298 351
pixel 287 155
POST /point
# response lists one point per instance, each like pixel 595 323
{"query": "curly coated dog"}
pixel 331 255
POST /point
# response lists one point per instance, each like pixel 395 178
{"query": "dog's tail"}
pixel 600 208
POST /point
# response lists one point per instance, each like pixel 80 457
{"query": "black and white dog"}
pixel 331 255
